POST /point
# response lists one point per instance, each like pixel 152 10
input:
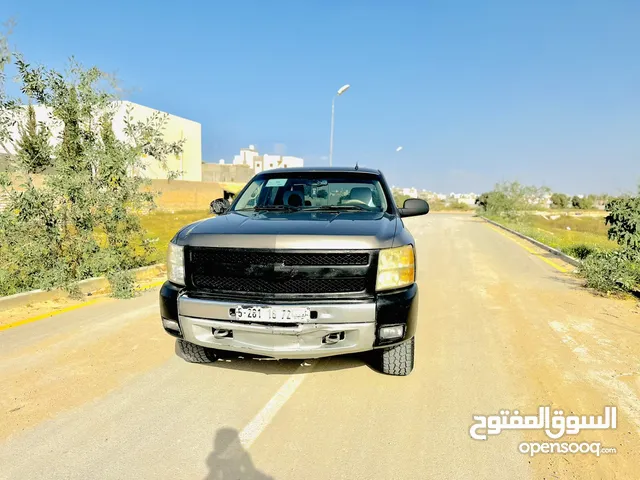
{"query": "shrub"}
pixel 122 283
pixel 618 270
pixel 456 205
pixel 611 272
pixel 579 251
pixel 559 200
pixel 510 199
pixel 34 151
pixel 83 220
pixel 581 203
pixel 436 205
pixel 624 221
pixel 400 199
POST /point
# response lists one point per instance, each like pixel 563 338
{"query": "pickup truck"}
pixel 305 263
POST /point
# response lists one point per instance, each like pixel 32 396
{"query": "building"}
pixel 226 172
pixel 246 156
pixel 259 163
pixel 187 164
pixel 412 192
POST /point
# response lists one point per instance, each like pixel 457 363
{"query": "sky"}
pixel 544 92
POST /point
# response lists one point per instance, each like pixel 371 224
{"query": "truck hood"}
pixel 292 230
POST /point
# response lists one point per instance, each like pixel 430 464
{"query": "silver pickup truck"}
pixel 305 263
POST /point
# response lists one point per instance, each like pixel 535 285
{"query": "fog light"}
pixel 390 333
pixel 171 324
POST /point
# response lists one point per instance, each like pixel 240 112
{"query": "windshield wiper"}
pixel 276 208
pixel 329 208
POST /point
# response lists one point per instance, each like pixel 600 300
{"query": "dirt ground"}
pixel 500 328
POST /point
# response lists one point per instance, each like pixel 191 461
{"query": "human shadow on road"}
pixel 230 461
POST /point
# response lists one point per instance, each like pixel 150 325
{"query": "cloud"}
pixel 324 157
pixel 279 148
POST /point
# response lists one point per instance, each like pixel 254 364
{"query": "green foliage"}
pixel 582 203
pixel 483 201
pixel 122 283
pixel 559 200
pixel 619 270
pixel 584 233
pixel 579 251
pixel 436 205
pixel 162 226
pixel 611 272
pixel 400 198
pixel 456 205
pixel 34 150
pixel 624 221
pixel 510 199
pixel 84 220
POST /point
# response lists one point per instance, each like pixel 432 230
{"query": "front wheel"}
pixel 193 353
pixel 398 360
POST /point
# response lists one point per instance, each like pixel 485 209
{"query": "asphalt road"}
pixel 100 393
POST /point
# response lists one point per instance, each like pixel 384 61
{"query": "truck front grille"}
pixel 252 257
pixel 279 273
pixel 257 285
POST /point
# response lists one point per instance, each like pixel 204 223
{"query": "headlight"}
pixel 175 264
pixel 396 268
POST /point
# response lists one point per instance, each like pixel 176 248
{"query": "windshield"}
pixel 314 192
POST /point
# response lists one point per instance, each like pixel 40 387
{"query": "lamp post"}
pixel 342 89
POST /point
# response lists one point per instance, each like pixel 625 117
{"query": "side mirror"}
pixel 219 206
pixel 413 207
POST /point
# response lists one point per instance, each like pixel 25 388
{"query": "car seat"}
pixel 362 194
pixel 292 198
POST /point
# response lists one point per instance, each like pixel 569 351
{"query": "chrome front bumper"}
pixel 354 324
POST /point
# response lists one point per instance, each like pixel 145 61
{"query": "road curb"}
pixel 573 261
pixel 87 286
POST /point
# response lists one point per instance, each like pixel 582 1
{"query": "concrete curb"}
pixel 86 286
pixel 573 261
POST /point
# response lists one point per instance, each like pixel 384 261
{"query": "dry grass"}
pixel 569 234
pixel 164 225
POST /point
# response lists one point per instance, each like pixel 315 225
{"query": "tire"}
pixel 398 360
pixel 193 353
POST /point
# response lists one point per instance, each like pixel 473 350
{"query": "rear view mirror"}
pixel 413 207
pixel 219 206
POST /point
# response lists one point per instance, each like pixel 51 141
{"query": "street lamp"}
pixel 342 89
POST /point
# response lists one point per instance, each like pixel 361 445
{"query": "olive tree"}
pixel 83 220
pixel 34 147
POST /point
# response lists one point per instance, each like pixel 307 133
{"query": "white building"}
pixel 188 163
pixel 259 163
pixel 246 156
pixel 412 192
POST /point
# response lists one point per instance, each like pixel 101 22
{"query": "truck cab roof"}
pixel 297 170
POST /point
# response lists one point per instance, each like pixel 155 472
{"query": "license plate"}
pixel 273 314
